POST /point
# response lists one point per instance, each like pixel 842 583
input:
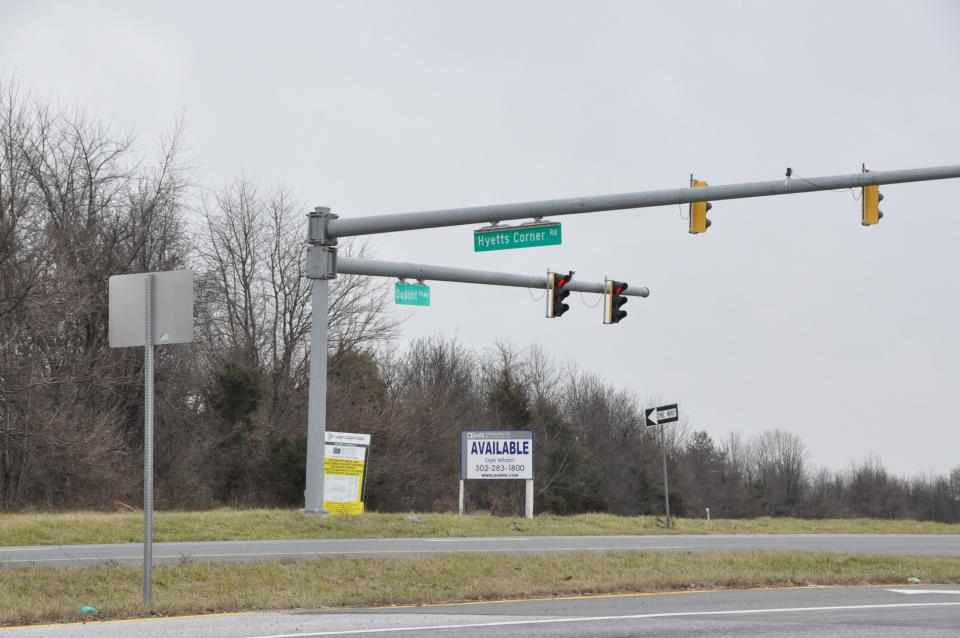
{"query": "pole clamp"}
pixel 322 262
pixel 322 253
pixel 317 221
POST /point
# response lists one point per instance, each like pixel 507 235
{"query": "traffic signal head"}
pixel 870 200
pixel 615 299
pixel 557 292
pixel 698 212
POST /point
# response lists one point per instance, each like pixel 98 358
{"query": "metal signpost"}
pixel 501 237
pixel 497 454
pixel 661 416
pixel 325 228
pixel 148 309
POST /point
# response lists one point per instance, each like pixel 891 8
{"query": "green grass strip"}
pixel 30 596
pixel 263 524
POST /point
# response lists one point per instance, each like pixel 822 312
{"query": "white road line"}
pixel 545 621
pixel 333 553
pixel 472 540
pixel 925 591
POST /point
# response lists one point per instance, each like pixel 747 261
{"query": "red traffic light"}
pixel 615 299
pixel 556 294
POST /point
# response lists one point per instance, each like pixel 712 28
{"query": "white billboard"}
pixel 496 454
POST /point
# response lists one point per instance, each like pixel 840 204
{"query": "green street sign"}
pixel 411 294
pixel 526 236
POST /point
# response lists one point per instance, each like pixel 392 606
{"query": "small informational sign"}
pixel 661 415
pixel 525 236
pixel 344 471
pixel 343 467
pixel 411 294
pixel 496 454
pixel 347 438
pixel 172 308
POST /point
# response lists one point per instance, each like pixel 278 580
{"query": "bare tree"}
pixel 779 470
pixel 76 206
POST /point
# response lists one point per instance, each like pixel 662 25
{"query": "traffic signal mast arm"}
pixel 404 270
pixel 324 228
pixel 596 203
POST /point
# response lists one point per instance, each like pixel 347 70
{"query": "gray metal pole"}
pixel 148 444
pixel 350 266
pixel 592 204
pixel 317 406
pixel 666 484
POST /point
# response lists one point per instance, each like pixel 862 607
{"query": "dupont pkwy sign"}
pixel 405 294
pixel 525 236
pixel 496 454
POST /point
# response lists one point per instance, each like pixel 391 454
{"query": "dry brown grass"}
pixel 56 595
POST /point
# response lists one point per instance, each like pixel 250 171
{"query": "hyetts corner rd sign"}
pixel 524 236
pixel 661 415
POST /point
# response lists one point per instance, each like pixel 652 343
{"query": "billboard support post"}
pixel 528 510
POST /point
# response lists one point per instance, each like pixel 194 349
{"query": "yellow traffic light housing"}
pixel 870 204
pixel 698 212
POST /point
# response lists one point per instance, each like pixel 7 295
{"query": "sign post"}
pixel 148 309
pixel 661 416
pixel 148 442
pixel 498 454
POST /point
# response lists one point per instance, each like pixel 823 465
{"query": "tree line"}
pixel 79 203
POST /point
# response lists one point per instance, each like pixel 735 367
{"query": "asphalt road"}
pixel 132 554
pixel 875 612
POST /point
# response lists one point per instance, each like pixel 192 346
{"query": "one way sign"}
pixel 661 415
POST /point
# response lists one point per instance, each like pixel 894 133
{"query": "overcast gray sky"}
pixel 787 313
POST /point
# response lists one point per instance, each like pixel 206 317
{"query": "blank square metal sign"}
pixel 172 308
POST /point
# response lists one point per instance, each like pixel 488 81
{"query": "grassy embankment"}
pixel 56 595
pixel 228 524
